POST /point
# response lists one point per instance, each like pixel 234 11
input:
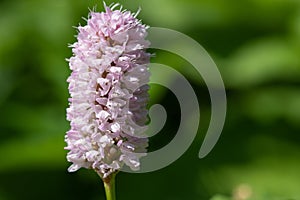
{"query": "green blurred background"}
pixel 255 44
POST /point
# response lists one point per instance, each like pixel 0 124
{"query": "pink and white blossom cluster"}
pixel 108 86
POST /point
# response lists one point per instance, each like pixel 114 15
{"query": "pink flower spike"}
pixel 108 89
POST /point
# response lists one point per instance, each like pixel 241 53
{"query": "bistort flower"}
pixel 109 93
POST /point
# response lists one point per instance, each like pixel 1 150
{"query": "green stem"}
pixel 109 186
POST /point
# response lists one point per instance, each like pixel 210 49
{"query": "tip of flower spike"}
pixel 111 6
pixel 137 12
pixel 114 5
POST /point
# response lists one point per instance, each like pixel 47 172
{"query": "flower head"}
pixel 109 93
